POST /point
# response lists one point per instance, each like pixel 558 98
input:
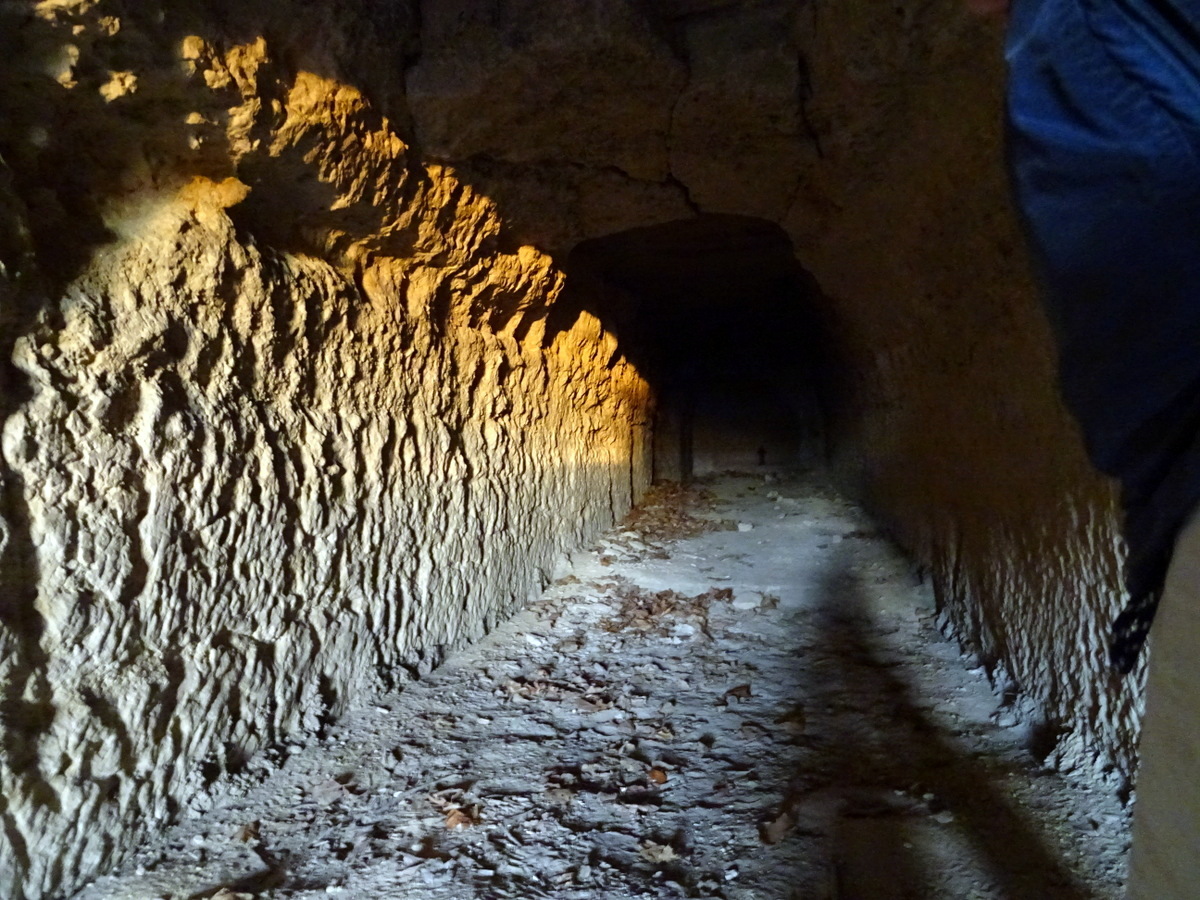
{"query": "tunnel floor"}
pixel 741 692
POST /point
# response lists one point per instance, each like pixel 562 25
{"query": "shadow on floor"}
pixel 901 802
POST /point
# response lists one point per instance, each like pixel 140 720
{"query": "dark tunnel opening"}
pixel 725 323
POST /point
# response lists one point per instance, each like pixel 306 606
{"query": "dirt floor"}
pixel 739 693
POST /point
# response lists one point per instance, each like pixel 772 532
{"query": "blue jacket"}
pixel 1104 150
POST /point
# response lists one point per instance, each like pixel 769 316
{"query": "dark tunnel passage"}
pixel 722 319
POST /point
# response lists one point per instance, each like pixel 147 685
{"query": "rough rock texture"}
pixel 284 411
pixel 754 711
pixel 264 460
pixel 952 423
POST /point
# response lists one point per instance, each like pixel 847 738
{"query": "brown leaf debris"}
pixel 642 610
pixel 739 693
pixel 463 818
pixel 666 513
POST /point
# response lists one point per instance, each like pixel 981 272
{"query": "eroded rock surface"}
pixel 267 461
pixel 285 411
pixel 871 133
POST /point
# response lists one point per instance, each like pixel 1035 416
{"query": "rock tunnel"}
pixel 328 331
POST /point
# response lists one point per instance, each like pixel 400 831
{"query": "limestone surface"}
pixel 260 463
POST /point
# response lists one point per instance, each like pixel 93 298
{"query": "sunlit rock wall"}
pixel 871 132
pixel 282 415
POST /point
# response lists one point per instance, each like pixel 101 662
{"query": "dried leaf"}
pixel 529 688
pixel 463 817
pixel 657 853
pixel 665 513
pixel 658 776
pixel 454 804
pixel 643 611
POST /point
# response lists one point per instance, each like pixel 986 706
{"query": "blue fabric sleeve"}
pixel 1104 151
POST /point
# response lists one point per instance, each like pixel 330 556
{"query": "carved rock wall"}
pixel 950 419
pixel 285 411
pixel 290 424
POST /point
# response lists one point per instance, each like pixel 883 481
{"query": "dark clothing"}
pixel 1104 144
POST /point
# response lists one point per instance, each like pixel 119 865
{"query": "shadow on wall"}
pixel 875 796
pixel 729 329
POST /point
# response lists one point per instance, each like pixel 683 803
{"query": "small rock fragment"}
pixel 657 853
